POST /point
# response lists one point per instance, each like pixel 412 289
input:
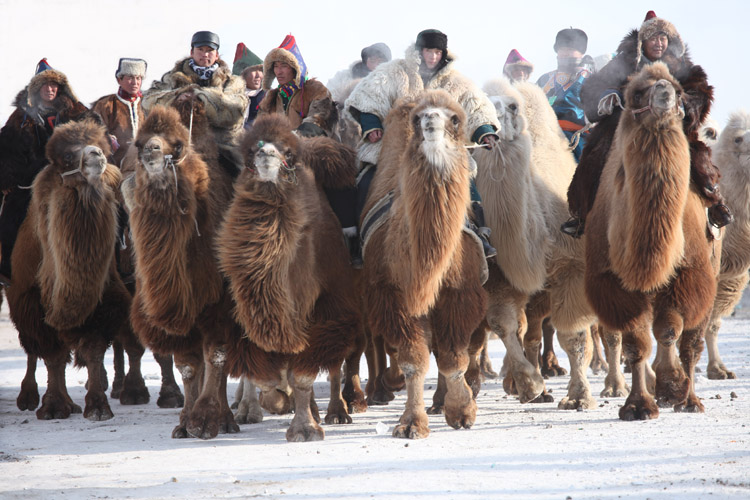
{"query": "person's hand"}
pixel 607 104
pixel 489 140
pixel 375 136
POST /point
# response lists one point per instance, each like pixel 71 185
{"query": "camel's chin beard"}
pixel 154 165
pixel 268 171
pixel 437 152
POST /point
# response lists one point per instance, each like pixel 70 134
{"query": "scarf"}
pixel 204 72
pixel 125 96
pixel 286 92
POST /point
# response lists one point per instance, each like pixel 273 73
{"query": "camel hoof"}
pixel 55 408
pixel 544 397
pixel 391 382
pixel 135 396
pixel 509 386
pixel 28 399
pixel 98 414
pixel 551 367
pixel 170 396
pixel 585 403
pixel 228 425
pixel 720 373
pixel 203 422
pixel 435 410
pixel 179 432
pixel 117 385
pixel 599 367
pixel 615 392
pixel 338 417
pixel 250 414
pixel 690 408
pixel 380 397
pixel 461 417
pixel 355 400
pixel 275 402
pixel 672 391
pixel 639 410
pixel 411 431
pixel 305 433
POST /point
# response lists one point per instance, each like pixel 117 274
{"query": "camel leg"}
pixel 28 398
pixel 477 345
pixel 170 395
pixel 598 361
pixel 97 407
pixel 134 390
pixel 190 366
pixel 56 403
pixel 413 358
pixel 352 391
pixel 303 426
pixel 691 347
pixel 485 363
pixel 438 398
pixel 210 413
pixel 248 406
pixel 393 377
pixel 118 354
pixel 460 407
pixel 614 383
pixel 380 395
pixel 640 404
pixel 372 372
pixel 672 385
pixel 336 413
pixel 238 393
pixel 536 314
pixel 277 399
pixel 578 347
pixel 716 369
pixel 550 365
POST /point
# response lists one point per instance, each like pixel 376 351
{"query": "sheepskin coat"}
pixel 377 93
pixel 613 78
pixel 223 96
pixel 23 140
pixel 121 121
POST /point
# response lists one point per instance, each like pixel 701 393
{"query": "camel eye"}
pixel 178 148
pixel 512 107
pixel 638 95
pixel 68 156
pixel 738 140
pixel 454 120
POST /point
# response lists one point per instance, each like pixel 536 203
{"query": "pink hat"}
pixel 515 59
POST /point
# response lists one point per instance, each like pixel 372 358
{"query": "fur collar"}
pixel 182 74
pixel 413 59
pixel 280 55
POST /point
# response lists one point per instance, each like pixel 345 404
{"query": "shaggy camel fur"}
pixel 732 155
pixel 656 268
pixel 66 293
pixel 180 307
pixel 422 271
pixel 282 251
pixel 523 185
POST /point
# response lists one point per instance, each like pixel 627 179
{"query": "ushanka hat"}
pixel 432 39
pixel 129 66
pixel 572 38
pixel 245 58
pixel 653 25
pixel 288 52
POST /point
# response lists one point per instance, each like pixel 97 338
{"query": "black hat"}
pixel 376 49
pixel 573 38
pixel 208 38
pixel 432 39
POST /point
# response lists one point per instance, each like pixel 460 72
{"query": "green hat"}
pixel 243 58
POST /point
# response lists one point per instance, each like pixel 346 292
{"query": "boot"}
pixel 719 215
pixel 573 227
pixel 353 243
pixel 482 230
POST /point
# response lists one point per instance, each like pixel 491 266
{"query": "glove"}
pixel 607 104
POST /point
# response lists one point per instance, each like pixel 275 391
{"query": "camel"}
pixel 523 184
pixel 732 155
pixel 422 270
pixel 61 304
pixel 176 200
pixel 653 268
pixel 281 248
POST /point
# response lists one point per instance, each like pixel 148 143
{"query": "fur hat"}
pixel 653 25
pixel 516 60
pixel 48 75
pixel 245 58
pixel 432 39
pixel 376 49
pixel 205 38
pixel 288 52
pixel 572 38
pixel 131 67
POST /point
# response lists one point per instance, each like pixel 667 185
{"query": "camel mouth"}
pixel 663 97
pixel 153 156
pixel 268 162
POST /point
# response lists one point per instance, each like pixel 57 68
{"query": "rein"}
pixel 170 163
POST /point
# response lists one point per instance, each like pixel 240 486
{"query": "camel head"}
pixel 509 104
pixel 654 97
pixel 79 148
pixel 271 150
pixel 735 138
pixel 438 122
pixel 162 142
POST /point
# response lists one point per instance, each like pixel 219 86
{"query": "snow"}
pixel 532 451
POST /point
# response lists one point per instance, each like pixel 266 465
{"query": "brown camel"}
pixel 282 251
pixel 66 293
pixel 422 270
pixel 176 202
pixel 650 261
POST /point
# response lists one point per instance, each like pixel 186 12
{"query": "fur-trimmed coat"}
pixel 23 140
pixel 223 97
pixel 312 104
pixel 377 93
pixel 120 121
pixel 698 96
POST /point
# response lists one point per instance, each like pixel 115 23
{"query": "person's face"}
pixel 431 57
pixel 253 79
pixel 204 55
pixel 519 74
pixel 48 92
pixel 130 84
pixel 655 46
pixel 374 61
pixel 284 73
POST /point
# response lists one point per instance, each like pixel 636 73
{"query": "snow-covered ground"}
pixel 513 451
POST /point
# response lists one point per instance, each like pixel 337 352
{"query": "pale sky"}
pixel 85 38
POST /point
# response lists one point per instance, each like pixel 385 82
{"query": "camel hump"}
pixel 163 120
pixel 334 164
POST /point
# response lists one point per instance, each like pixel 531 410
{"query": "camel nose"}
pixel 153 144
pixel 92 150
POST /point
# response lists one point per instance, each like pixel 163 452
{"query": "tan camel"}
pixel 422 270
pixel 281 248
pixel 650 263
pixel 523 186
pixel 66 293
pixel 732 155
